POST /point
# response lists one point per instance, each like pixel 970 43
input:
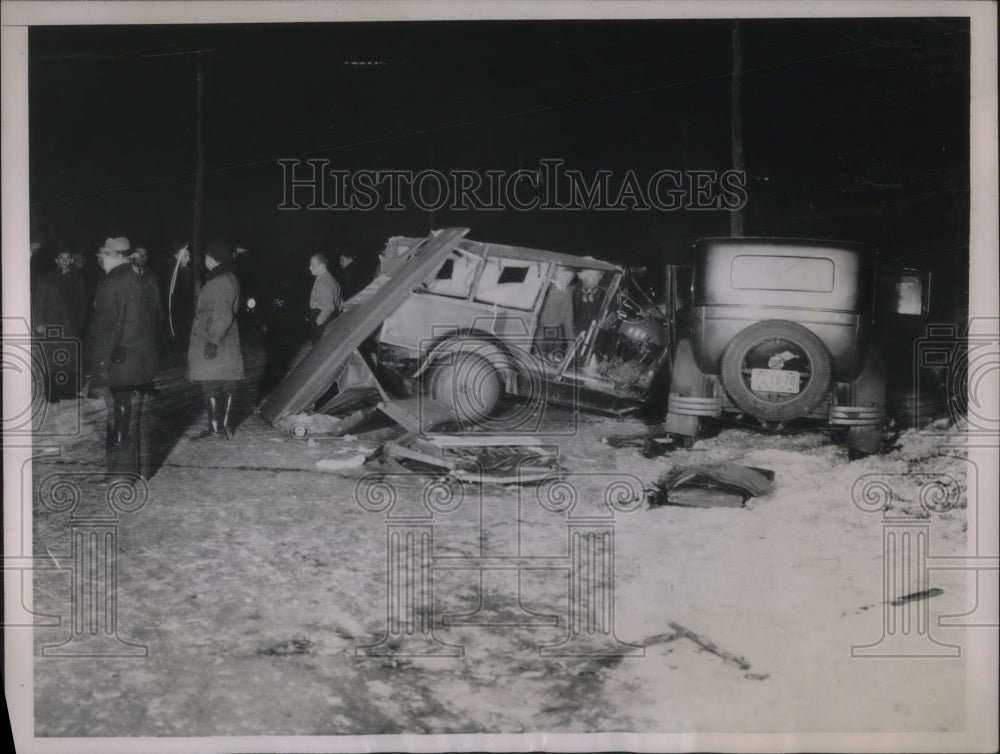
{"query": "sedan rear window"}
pixel 781 273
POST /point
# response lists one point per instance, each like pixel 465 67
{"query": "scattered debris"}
pixel 711 485
pixel 680 632
pixel 417 414
pixel 296 646
pixel 470 458
pixel 900 601
pixel 922 595
pixel 633 441
pixel 339 464
pixel 655 447
pixel 467 456
pixel 708 646
pixel 301 425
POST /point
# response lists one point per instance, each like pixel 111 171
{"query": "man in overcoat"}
pixel 215 358
pixel 123 358
pixel 59 305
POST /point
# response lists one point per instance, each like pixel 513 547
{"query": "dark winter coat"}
pixel 350 280
pixel 123 331
pixel 586 305
pixel 149 276
pixel 61 300
pixel 215 324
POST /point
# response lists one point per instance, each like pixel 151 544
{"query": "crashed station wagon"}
pixel 456 323
pixel 771 329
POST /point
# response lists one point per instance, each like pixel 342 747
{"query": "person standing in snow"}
pixel 123 358
pixel 324 300
pixel 215 358
pixel 60 305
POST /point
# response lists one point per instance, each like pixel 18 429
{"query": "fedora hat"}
pixel 118 245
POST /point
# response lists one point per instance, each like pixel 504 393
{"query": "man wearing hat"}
pixel 123 357
pixel 555 321
pixel 215 358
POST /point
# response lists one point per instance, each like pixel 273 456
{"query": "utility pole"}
pixel 199 175
pixel 199 168
pixel 736 104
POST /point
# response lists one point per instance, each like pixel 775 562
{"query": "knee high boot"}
pixel 226 404
pixel 213 421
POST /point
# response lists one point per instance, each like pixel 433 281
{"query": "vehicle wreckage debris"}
pixel 484 462
pixel 710 486
pixel 409 446
pixel 709 646
pixel 922 595
pixel 900 601
pixel 681 632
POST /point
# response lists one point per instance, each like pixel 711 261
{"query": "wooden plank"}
pixel 396 451
pixel 476 440
pixel 417 414
pixel 352 420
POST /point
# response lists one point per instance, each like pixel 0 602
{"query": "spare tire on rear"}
pixel 772 347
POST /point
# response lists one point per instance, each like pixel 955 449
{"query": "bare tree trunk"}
pixel 736 94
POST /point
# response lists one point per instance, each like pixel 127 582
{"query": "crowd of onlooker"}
pixel 103 329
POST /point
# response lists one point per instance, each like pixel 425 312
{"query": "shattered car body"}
pixel 773 329
pixel 457 321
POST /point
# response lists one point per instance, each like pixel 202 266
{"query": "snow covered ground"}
pixel 252 578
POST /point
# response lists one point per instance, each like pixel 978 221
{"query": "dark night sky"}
pixel 853 129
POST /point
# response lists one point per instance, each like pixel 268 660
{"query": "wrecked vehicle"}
pixel 457 324
pixel 774 329
pixel 779 330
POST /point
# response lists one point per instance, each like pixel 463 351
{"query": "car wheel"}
pixel 469 385
pixel 776 370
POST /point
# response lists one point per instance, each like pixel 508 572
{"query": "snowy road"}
pixel 252 579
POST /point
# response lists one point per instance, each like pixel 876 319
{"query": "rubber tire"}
pixel 797 406
pixel 470 386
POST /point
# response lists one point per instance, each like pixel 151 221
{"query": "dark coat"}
pixel 149 276
pixel 586 305
pixel 215 323
pixel 61 300
pixel 123 331
pixel 351 280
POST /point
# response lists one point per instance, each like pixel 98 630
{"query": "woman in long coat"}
pixel 214 355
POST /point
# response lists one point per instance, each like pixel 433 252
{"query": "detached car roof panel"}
pixel 536 255
pixel 307 382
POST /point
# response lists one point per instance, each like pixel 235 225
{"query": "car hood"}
pixel 311 377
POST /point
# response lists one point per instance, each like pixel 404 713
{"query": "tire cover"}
pixel 788 336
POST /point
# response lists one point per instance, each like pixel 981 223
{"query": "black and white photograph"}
pixel 481 376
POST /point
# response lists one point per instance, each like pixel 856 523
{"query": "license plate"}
pixel 774 381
